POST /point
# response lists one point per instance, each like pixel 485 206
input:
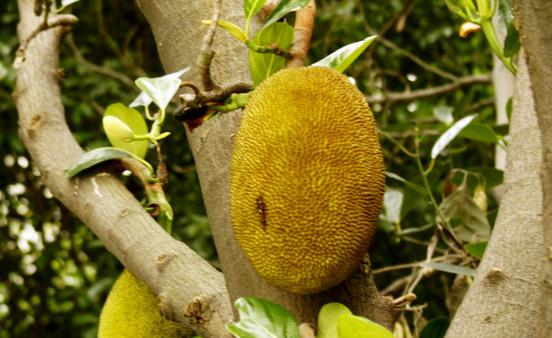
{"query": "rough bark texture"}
pixel 511 295
pixel 504 299
pixel 534 17
pixel 190 289
pixel 178 45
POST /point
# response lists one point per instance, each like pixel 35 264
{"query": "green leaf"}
pixel 262 65
pixel 349 326
pixel 327 319
pixel 493 177
pixel 479 132
pixel 260 318
pixel 284 7
pixel 474 226
pixel 450 134
pixel 161 89
pixel 415 187
pixel 97 156
pixel 231 28
pixel 120 124
pixel 455 269
pixel 250 8
pixel 436 328
pixel 476 249
pixel 511 42
pixel 343 57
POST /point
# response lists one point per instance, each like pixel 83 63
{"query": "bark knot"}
pixel 198 311
pixel 164 260
pixel 494 277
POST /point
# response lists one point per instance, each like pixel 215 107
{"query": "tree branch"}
pixel 304 24
pixel 507 292
pixel 181 278
pixel 428 92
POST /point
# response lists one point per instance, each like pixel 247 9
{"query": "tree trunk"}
pixel 511 295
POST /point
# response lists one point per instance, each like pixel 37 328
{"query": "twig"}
pixel 48 23
pixel 97 68
pixel 304 24
pixel 428 92
pixel 206 55
pixel 403 300
pixel 413 264
pixel 306 331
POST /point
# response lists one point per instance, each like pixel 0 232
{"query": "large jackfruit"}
pixel 131 311
pixel 307 179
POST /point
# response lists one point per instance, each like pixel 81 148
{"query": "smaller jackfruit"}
pixel 131 311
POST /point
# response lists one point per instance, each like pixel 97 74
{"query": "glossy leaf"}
pixel 161 89
pixel 231 28
pixel 341 59
pixel 262 65
pixel 94 157
pixel 477 250
pixel 455 269
pixel 349 326
pixel 479 132
pixel 327 319
pixel 120 124
pixel 284 7
pixel 450 135
pixel 436 328
pixel 260 318
pixel 473 222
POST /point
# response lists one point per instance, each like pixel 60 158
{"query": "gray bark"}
pixel 190 289
pixel 512 293
pixel 211 144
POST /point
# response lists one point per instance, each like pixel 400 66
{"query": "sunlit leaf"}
pixel 231 28
pixel 341 59
pixel 284 7
pixel 161 89
pixel 450 134
pixel 65 4
pixel 455 269
pixel 392 203
pixel 260 318
pixel 436 328
pixel 349 326
pixel 476 249
pixel 327 319
pixel 142 99
pixel 262 65
pixel 121 124
pixel 444 114
pixel 96 156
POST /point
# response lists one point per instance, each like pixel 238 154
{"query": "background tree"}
pixel 58 271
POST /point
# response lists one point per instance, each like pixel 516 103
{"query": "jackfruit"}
pixel 131 311
pixel 306 179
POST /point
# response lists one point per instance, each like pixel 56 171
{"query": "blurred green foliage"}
pixel 55 274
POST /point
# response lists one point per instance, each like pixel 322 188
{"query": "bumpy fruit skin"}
pixel 131 311
pixel 307 179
